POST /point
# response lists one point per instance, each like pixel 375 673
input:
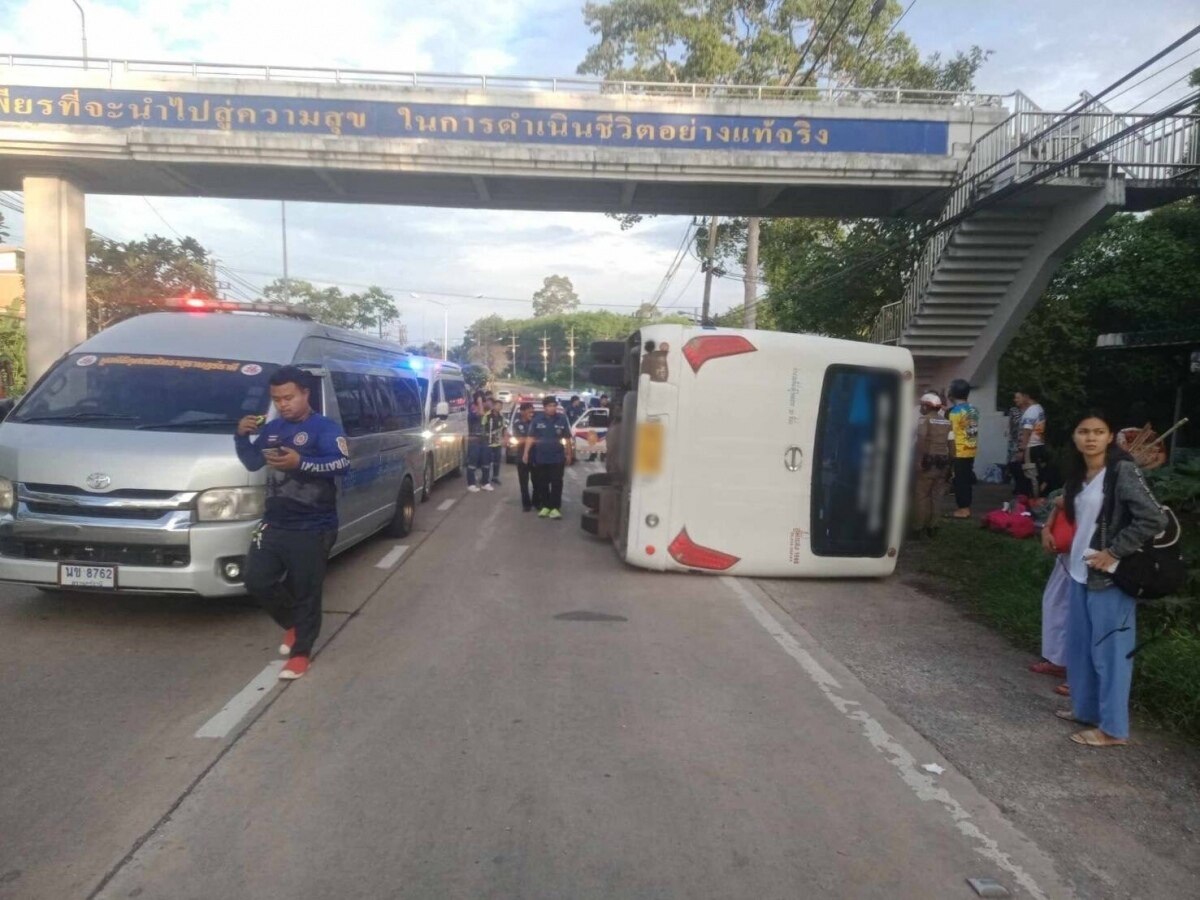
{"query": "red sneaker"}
pixel 289 641
pixel 296 666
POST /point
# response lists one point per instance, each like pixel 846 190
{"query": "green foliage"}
pixel 496 333
pixel 125 278
pixel 12 345
pixel 816 277
pixel 1001 580
pixel 365 311
pixel 1178 486
pixel 555 296
pixel 1137 273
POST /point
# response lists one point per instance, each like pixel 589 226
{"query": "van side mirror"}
pixel 442 411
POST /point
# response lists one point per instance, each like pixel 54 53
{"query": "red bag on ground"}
pixel 1015 522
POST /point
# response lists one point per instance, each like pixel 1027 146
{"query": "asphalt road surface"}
pixel 500 709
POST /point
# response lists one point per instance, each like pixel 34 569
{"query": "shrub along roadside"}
pixel 1001 580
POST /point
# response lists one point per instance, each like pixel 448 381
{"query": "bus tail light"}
pixel 700 350
pixel 688 553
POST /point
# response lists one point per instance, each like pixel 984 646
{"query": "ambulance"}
pixel 753 452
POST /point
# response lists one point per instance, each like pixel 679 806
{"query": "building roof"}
pixel 1139 340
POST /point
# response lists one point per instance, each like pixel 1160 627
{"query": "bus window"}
pixel 854 457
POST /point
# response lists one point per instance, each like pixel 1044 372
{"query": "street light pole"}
pixel 83 31
pixel 287 290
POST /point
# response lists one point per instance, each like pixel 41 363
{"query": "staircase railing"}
pixel 1028 143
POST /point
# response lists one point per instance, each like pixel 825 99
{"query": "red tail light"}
pixel 195 303
pixel 687 552
pixel 700 350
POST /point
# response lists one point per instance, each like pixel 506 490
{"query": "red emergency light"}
pixel 198 303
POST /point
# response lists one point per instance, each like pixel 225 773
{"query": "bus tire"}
pixel 601 479
pixel 402 521
pixel 427 487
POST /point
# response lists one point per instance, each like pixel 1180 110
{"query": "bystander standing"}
pixel 963 442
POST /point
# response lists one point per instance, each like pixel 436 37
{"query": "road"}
pixel 500 710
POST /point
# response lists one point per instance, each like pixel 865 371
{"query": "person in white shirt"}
pixel 1028 462
pixel 1114 514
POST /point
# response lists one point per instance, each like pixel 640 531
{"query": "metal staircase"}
pixel 1029 191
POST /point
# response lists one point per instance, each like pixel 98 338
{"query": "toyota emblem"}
pixel 792 458
pixel 98 481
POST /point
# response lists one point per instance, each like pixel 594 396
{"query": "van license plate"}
pixel 70 575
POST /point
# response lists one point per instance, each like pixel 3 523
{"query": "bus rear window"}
pixel 855 458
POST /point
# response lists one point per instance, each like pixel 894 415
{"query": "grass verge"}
pixel 1001 580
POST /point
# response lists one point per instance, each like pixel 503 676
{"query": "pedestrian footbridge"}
pixel 1030 190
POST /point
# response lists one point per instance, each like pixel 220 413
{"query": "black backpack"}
pixel 1156 570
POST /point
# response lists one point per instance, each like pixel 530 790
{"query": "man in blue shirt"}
pixel 550 448
pixel 522 428
pixel 285 566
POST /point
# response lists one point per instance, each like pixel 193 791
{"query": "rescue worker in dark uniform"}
pixel 552 447
pixel 522 428
pixel 932 458
pixel 285 566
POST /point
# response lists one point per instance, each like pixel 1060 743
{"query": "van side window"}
pixel 385 403
pixel 410 406
pixel 354 403
pixel 455 394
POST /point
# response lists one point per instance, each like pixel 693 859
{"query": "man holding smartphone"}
pixel 285 566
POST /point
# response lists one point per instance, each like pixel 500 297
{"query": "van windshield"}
pixel 128 391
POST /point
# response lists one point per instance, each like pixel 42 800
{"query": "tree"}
pixel 371 310
pixel 798 43
pixel 555 296
pixel 125 278
pixel 1134 274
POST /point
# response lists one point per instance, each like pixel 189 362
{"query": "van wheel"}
pixel 427 489
pixel 406 512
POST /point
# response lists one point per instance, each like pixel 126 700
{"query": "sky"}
pixel 1049 50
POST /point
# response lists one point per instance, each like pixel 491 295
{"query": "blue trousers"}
pixel 478 457
pixel 1101 631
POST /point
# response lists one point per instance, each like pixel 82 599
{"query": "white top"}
pixel 1033 420
pixel 1087 510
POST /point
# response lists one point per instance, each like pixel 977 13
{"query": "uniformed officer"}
pixel 285 566
pixel 932 457
pixel 552 447
pixel 522 428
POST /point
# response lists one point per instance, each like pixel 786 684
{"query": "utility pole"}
pixel 545 357
pixel 572 351
pixel 708 267
pixel 750 296
pixel 287 290
pixel 82 31
pixel 514 353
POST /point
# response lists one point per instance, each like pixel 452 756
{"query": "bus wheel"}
pixel 406 512
pixel 427 489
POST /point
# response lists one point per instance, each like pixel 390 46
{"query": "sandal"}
pixel 1069 716
pixel 1063 690
pixel 1045 667
pixel 1094 737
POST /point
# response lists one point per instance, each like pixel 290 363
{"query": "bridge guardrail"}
pixel 570 84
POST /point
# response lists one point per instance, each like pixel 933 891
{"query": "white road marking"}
pixel 243 701
pixel 892 750
pixel 446 504
pixel 392 557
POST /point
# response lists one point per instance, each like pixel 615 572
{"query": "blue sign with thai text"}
pixel 463 122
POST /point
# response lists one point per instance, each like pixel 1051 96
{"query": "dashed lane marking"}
pixel 243 701
pixel 446 504
pixel 922 784
pixel 392 557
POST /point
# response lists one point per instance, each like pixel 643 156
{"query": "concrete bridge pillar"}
pixel 55 269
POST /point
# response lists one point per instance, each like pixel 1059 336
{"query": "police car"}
pixel 591 433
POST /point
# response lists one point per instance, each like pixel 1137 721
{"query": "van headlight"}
pixel 231 504
pixel 8 495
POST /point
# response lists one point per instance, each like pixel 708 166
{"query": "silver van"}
pixel 118 470
pixel 444 398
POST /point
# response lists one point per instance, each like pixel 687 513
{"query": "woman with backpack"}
pixel 1114 515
